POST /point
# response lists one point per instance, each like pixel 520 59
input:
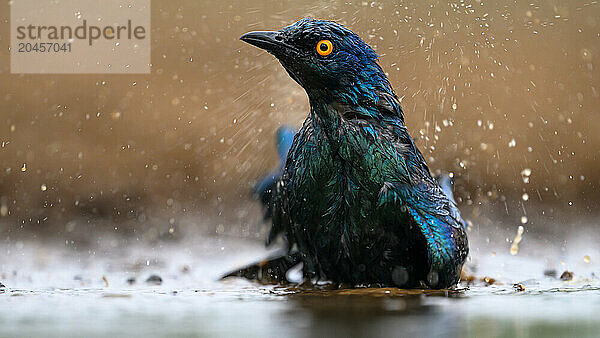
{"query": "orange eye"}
pixel 324 47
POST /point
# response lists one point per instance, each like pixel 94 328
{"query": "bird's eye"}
pixel 324 47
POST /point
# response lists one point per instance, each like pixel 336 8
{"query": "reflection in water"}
pixel 364 315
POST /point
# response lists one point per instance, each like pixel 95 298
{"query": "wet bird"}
pixel 356 202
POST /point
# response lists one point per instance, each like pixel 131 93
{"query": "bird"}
pixel 355 203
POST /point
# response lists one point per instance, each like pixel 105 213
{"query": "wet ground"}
pixel 56 290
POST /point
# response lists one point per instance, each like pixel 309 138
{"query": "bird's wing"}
pixel 263 190
pixel 391 157
pixel 434 214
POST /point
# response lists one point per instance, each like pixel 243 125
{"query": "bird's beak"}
pixel 269 40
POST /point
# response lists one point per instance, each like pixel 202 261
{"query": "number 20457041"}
pixel 44 47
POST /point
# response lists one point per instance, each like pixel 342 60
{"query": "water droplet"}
pixel 514 248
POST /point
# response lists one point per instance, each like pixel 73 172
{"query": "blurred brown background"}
pixel 505 96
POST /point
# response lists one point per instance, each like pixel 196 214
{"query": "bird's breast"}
pixel 331 202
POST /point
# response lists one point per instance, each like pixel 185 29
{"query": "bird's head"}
pixel 324 57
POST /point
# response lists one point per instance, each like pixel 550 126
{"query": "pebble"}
pixel 566 276
pixel 488 281
pixel 131 280
pixel 519 287
pixel 550 273
pixel 154 279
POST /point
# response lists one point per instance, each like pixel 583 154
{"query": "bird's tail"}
pixel 269 271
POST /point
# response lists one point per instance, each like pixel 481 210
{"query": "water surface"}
pixel 60 292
